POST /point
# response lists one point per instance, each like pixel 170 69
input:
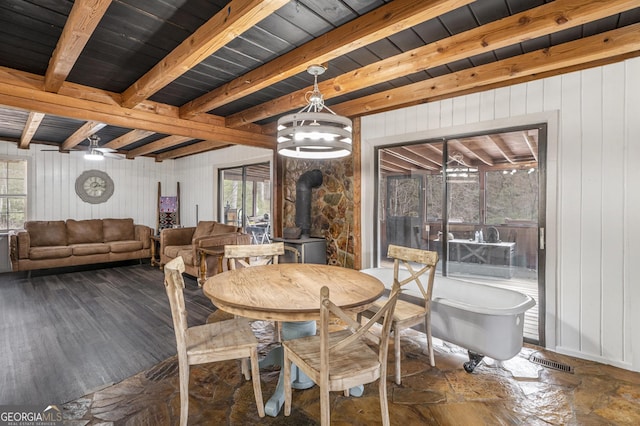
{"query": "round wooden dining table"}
pixel 290 292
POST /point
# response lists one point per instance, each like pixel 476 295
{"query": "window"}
pixel 13 193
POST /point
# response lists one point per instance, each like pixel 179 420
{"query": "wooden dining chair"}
pixel 248 255
pixel 340 360
pixel 220 341
pixel 409 314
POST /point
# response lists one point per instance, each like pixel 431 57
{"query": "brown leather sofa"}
pixel 186 242
pixel 54 244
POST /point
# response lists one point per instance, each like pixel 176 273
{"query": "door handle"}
pixel 541 238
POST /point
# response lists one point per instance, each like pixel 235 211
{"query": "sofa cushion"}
pixel 84 231
pixel 172 251
pixel 125 246
pixel 90 248
pixel 47 233
pixel 49 252
pixel 221 228
pixel 118 230
pixel 204 228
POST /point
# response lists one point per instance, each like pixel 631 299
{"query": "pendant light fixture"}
pixel 313 133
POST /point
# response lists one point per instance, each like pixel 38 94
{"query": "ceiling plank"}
pixel 81 23
pixel 527 25
pixel 590 49
pixel 127 139
pixel 30 129
pixel 158 145
pixel 195 148
pixel 23 90
pixel 231 21
pixel 382 22
pixel 86 130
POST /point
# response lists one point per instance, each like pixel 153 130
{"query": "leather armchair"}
pixel 186 242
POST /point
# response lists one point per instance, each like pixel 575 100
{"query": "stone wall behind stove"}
pixel 331 205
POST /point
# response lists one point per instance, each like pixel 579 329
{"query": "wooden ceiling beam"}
pixel 30 129
pixel 128 139
pixel 81 23
pixel 86 130
pixel 413 158
pixel 532 145
pixel 474 150
pixel 195 148
pixel 625 40
pixel 502 148
pixel 391 168
pixel 158 145
pixel 425 154
pixel 527 25
pixel 234 19
pixel 382 22
pixel 23 90
pixel 391 158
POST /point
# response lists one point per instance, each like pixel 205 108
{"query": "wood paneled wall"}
pixel 593 203
pixel 52 177
pixel 198 177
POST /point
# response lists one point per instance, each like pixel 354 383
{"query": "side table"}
pixel 209 251
pixel 155 243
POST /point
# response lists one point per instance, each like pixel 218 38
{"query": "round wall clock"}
pixel 94 186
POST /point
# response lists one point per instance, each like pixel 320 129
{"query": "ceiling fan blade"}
pixel 114 156
pixel 106 149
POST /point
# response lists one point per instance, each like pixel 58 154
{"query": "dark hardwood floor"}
pixel 64 334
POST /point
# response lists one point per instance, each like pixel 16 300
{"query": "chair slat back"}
pixel 427 261
pixel 358 330
pixel 174 284
pixel 249 255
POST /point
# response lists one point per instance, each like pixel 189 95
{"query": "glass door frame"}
pixel 241 220
pixel 542 129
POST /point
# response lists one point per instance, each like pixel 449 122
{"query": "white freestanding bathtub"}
pixel 485 320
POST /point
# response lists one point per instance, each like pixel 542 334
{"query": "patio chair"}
pixel 409 314
pixel 341 360
pixel 220 341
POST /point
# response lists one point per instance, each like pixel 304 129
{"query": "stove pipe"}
pixel 308 180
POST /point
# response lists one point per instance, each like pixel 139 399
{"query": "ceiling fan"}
pixel 95 152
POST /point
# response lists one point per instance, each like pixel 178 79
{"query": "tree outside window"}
pixel 13 194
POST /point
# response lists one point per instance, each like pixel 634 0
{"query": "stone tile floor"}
pixel 518 392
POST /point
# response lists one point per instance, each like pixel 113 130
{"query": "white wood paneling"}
pixel 52 177
pixel 593 234
pixel 198 177
pixel 631 245
pixel 591 145
pixel 612 232
pixel 570 175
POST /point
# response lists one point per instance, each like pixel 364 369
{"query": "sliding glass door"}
pixel 245 194
pixel 476 200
